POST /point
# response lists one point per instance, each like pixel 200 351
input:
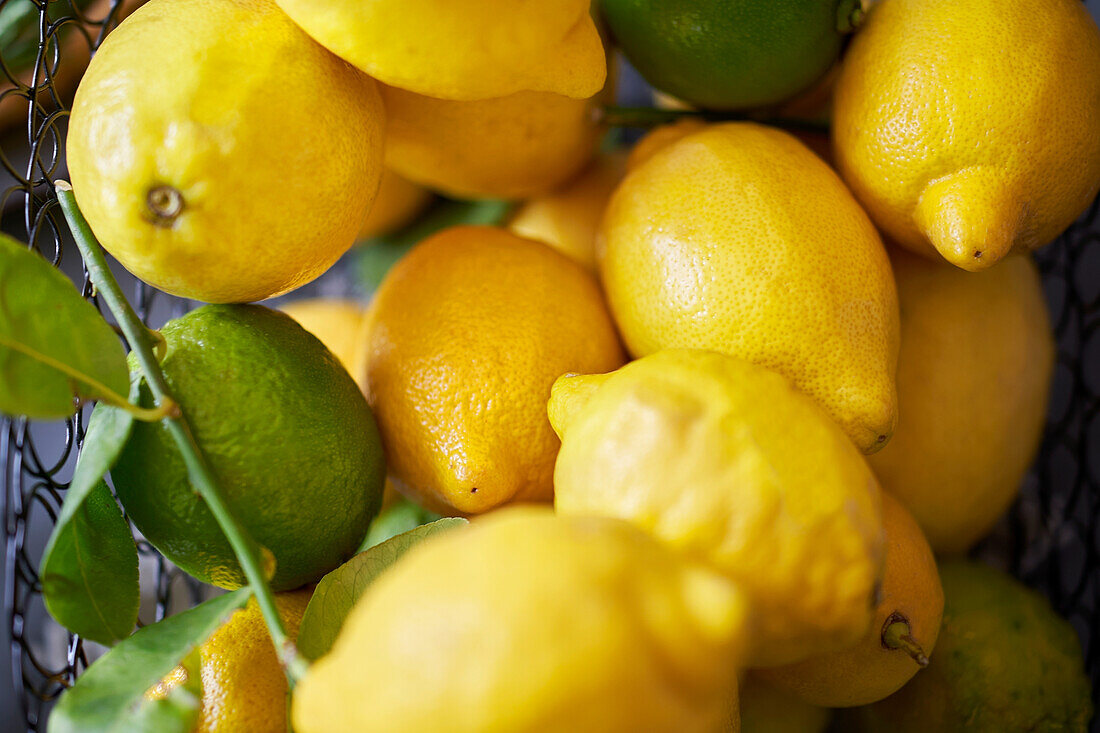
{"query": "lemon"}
pixel 728 463
pixel 1005 661
pixel 973 378
pixel 901 638
pixel 243 684
pixel 462 49
pixel 287 434
pixel 766 709
pixel 524 621
pixel 337 323
pixel 567 219
pixel 730 54
pixel 398 202
pixel 202 160
pixel 467 334
pixel 661 137
pixel 970 128
pixel 516 146
pixel 739 239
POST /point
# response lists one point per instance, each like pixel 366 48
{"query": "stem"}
pixel 144 343
pixel 653 117
pixel 897 634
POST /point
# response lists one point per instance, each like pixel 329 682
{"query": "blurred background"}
pixel 1048 540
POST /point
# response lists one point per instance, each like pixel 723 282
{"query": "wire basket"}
pixel 1050 539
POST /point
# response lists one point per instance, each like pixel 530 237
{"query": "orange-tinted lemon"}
pixel 902 635
pixel 467 334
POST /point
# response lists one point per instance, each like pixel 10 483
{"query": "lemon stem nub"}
pixel 849 15
pixel 897 634
pixel 165 203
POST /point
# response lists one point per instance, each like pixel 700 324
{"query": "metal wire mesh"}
pixel 1051 539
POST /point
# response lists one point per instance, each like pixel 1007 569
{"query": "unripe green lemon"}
pixel 287 434
pixel 731 54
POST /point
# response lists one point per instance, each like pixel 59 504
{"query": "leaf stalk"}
pixel 145 346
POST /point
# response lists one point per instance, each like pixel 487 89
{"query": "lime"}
pixel 1004 661
pixel 730 54
pixel 287 433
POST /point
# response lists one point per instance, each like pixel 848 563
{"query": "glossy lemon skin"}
pixel 525 621
pixel 463 49
pixel 728 463
pixel 272 187
pixel 969 129
pixel 739 239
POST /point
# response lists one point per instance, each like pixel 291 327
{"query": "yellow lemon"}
pixel 728 463
pixel 462 49
pixel 338 324
pixel 661 137
pixel 398 202
pixel 524 621
pixel 202 160
pixel 739 239
pixel 467 334
pixel 516 146
pixel 971 128
pixel 243 684
pixel 973 378
pixel 901 638
pixel 567 219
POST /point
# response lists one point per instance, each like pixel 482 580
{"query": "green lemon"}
pixel 731 54
pixel 1004 661
pixel 287 433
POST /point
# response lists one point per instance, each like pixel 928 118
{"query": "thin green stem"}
pixel 897 634
pixel 652 117
pixel 144 344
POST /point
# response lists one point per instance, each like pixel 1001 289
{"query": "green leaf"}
pixel 338 591
pixel 90 574
pixel 110 695
pixel 54 345
pixel 19 26
pixel 401 516
pixel 89 569
pixel 376 256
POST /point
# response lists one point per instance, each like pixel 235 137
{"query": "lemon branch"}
pixel 653 117
pixel 144 344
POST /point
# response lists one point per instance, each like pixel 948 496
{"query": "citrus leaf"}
pixel 90 574
pixel 89 569
pixel 338 591
pixel 376 256
pixel 401 516
pixel 110 695
pixel 54 345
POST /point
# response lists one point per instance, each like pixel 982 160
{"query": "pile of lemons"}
pixel 770 385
